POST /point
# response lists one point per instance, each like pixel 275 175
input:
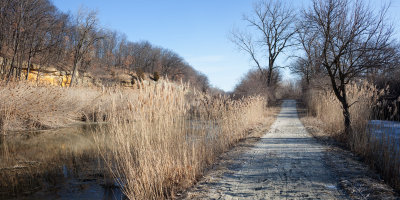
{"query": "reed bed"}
pixel 380 149
pixel 168 134
pixel 158 138
pixel 24 106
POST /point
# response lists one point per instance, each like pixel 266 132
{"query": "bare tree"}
pixel 302 67
pixel 252 84
pixel 201 82
pixel 275 24
pixel 308 66
pixel 4 16
pixel 46 28
pixel 170 62
pixel 16 24
pixel 146 56
pixel 83 38
pixel 348 32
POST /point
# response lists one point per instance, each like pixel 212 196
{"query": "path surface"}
pixel 287 163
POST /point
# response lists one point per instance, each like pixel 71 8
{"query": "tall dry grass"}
pixel 31 160
pixel 381 149
pixel 324 105
pixel 158 139
pixel 25 106
pixel 166 135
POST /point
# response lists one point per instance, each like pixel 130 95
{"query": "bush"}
pixel 156 76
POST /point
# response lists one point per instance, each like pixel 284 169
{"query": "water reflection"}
pixel 66 164
pixel 54 164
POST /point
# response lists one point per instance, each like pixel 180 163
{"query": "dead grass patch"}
pixel 381 151
pixel 172 135
pixel 158 140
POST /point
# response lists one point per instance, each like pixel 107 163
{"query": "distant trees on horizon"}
pixel 36 32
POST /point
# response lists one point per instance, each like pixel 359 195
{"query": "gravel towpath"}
pixel 286 163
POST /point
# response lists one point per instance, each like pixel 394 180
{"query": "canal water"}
pixel 54 164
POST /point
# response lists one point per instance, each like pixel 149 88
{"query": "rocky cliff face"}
pixel 49 76
pixel 53 76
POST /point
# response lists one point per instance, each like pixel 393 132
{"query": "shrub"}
pixel 156 76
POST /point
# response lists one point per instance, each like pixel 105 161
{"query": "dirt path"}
pixel 286 163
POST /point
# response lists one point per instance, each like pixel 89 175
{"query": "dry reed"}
pixel 167 134
pixel 158 141
pixel 25 106
pixel 380 150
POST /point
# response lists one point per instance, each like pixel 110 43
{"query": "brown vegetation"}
pixel 24 106
pixel 350 39
pixel 379 150
pixel 350 57
pixel 253 83
pixel 159 138
pixel 168 134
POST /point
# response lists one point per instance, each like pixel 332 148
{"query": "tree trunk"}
pixel 346 116
pixel 20 60
pixel 38 73
pixel 4 68
pixel 28 67
pixel 269 73
pixel 307 79
pixel 11 68
pixel 75 69
pixel 10 72
pixel 15 45
pixel 346 111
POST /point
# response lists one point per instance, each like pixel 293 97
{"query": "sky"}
pixel 198 30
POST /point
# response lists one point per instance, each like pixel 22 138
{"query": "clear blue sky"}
pixel 195 29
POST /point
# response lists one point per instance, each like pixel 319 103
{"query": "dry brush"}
pixel 158 139
pixel 380 149
pixel 166 135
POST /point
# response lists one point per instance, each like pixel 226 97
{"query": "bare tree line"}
pixel 351 41
pixel 36 32
pixel 27 33
pixel 341 40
